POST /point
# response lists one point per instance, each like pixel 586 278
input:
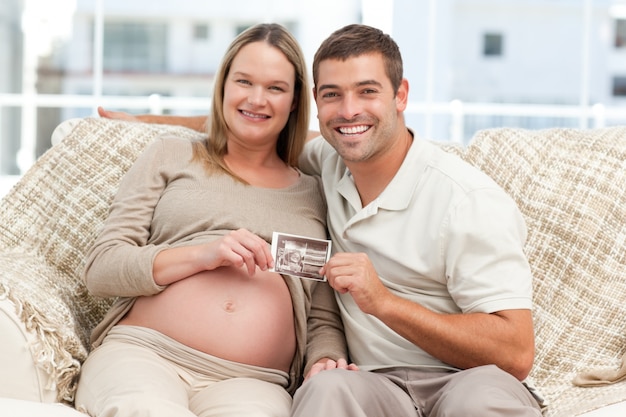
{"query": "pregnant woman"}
pixel 200 326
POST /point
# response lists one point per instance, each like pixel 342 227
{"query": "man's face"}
pixel 356 106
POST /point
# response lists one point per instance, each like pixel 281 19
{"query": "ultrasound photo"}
pixel 300 256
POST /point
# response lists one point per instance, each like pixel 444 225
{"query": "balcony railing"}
pixel 457 113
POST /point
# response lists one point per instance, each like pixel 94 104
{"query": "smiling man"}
pixel 432 281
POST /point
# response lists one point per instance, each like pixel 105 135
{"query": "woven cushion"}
pixel 47 223
pixel 569 184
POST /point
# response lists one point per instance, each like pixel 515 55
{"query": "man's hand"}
pixel 118 115
pixel 327 364
pixel 197 123
pixel 354 273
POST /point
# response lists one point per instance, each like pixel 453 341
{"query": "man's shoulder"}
pixel 318 157
pixel 318 145
pixel 458 170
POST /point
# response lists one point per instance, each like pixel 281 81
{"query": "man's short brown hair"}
pixel 356 40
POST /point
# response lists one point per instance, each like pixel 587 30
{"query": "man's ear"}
pixel 314 93
pixel 402 96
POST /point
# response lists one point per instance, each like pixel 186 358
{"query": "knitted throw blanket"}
pixel 47 223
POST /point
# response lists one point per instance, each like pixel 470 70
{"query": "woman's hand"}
pixel 237 248
pixel 326 364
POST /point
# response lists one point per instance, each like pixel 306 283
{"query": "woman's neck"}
pixel 261 168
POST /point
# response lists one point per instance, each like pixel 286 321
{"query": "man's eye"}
pixel 330 95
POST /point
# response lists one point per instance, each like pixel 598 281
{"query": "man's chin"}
pixel 350 153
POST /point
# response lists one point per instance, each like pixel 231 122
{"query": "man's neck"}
pixel 372 177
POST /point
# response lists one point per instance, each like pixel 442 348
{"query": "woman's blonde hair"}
pixel 292 137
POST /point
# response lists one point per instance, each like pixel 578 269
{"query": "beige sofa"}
pixel 569 184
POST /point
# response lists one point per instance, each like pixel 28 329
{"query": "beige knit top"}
pixel 166 200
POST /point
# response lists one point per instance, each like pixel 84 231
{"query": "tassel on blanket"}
pixel 47 349
pixel 601 377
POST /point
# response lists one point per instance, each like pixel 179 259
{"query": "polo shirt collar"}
pixel 399 192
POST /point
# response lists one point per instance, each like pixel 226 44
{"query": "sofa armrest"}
pixel 20 377
pixel 45 341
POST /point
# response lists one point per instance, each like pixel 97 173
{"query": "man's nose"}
pixel 350 107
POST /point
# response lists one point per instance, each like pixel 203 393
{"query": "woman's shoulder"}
pixel 309 180
pixel 174 147
pixel 169 152
pixel 172 142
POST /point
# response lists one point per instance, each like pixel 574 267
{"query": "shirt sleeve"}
pixel 325 335
pixel 119 264
pixel 312 156
pixel 487 269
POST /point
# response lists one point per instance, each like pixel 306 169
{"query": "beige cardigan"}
pixel 165 200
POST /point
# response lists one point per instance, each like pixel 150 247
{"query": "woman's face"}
pixel 258 95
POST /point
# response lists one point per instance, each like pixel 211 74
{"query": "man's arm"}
pixel 198 123
pixel 503 338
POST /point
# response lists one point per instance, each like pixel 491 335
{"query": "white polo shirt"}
pixel 441 234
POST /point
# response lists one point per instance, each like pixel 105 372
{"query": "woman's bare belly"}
pixel 225 313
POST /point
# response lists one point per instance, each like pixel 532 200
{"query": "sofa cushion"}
pixel 570 186
pixel 12 407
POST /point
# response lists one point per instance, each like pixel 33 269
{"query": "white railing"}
pixel 597 115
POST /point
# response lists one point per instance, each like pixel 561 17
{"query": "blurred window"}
pixel 201 32
pixel 619 86
pixel 620 33
pixel 241 28
pixel 134 47
pixel 492 44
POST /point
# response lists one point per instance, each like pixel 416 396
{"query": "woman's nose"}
pixel 257 96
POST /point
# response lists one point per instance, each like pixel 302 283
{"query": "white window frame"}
pixel 374 13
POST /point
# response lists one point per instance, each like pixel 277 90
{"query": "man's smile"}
pixel 353 130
